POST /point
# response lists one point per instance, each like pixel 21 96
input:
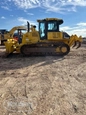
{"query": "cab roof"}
pixel 51 19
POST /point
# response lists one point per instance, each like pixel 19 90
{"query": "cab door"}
pixel 42 30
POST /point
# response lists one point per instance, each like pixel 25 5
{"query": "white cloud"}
pixel 24 21
pixel 3 17
pixel 5 7
pixel 82 24
pixel 26 3
pixel 79 32
pixel 30 13
pixel 49 5
pixel 78 29
pixel 65 28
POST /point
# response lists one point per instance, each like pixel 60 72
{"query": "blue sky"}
pixel 18 12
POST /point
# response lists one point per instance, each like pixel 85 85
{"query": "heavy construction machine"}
pixel 48 40
pixel 2 32
pixel 14 32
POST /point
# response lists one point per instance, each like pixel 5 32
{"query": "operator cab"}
pixel 48 25
pixel 18 34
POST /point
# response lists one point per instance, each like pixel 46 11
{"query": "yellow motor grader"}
pixel 48 40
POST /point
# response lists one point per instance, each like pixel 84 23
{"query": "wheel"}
pixel 65 49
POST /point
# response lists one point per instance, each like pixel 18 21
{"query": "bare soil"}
pixel 48 85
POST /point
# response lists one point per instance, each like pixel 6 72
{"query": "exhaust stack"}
pixel 28 26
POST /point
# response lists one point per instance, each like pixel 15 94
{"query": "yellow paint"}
pixel 33 37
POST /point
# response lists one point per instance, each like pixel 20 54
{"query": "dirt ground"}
pixel 47 85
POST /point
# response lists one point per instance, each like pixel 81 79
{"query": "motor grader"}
pixel 4 34
pixel 48 40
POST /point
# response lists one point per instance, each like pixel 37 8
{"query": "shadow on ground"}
pixel 17 61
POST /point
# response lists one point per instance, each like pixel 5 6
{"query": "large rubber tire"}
pixel 67 49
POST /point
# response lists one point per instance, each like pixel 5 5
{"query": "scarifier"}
pixel 48 40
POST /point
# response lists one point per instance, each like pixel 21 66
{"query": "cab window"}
pixel 53 26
